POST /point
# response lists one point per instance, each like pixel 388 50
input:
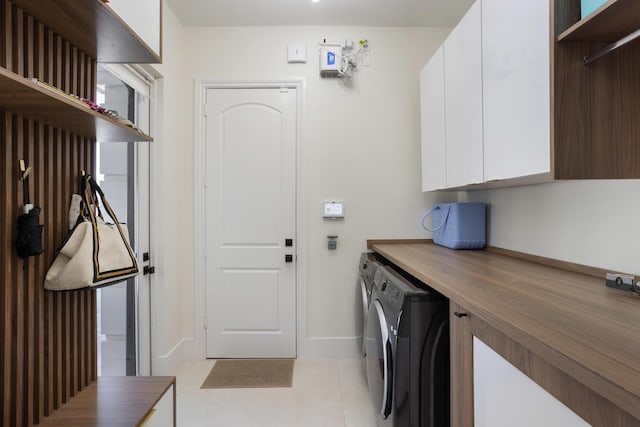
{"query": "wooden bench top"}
pixel 113 402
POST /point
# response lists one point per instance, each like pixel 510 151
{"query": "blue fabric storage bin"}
pixel 588 6
pixel 458 225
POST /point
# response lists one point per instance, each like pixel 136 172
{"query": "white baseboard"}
pixel 168 364
pixel 331 348
pixel 312 348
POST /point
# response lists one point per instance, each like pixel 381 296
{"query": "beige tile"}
pixel 358 409
pixel 325 393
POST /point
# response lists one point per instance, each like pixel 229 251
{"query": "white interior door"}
pixel 250 213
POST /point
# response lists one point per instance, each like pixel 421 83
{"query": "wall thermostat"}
pixel 333 210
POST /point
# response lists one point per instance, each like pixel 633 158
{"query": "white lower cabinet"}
pixel 506 397
pixel 162 413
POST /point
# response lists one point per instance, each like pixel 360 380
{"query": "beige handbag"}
pixel 95 253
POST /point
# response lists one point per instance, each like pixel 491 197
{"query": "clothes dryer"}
pixel 369 263
pixel 407 354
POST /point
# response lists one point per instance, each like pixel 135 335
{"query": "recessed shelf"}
pixel 24 97
pixel 93 27
pixel 610 22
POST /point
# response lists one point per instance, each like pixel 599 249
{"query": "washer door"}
pixel 379 363
pixel 365 308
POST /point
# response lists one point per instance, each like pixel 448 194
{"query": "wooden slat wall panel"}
pixel 48 340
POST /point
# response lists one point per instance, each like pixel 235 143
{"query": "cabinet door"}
pixel 432 121
pixel 162 414
pixel 505 397
pixel 463 100
pixel 461 359
pixel 143 17
pixel 516 92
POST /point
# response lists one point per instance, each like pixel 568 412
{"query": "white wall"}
pixel 594 223
pixel 171 203
pixel 361 145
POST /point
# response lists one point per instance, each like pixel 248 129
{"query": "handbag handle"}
pixel 444 221
pixel 90 191
pixel 90 203
pixel 91 187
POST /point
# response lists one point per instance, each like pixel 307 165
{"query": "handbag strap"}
pixel 91 188
pixel 431 211
pixel 91 191
pixel 90 202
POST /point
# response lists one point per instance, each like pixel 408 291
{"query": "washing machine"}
pixel 369 263
pixel 407 354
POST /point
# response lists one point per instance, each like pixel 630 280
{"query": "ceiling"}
pixel 378 13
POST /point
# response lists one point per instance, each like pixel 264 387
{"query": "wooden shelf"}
pixel 610 22
pixel 24 97
pixel 94 28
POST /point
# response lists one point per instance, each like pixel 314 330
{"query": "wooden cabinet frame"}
pixel 594 109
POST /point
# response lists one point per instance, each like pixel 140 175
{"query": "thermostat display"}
pixel 333 210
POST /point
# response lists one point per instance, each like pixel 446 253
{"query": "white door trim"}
pixel 201 87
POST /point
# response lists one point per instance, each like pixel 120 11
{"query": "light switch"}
pixel 297 53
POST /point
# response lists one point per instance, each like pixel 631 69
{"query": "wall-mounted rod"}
pixel 613 46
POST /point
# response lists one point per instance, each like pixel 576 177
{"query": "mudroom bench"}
pixel 120 402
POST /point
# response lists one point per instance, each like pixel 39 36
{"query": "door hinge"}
pixel 205 110
pixel 205 323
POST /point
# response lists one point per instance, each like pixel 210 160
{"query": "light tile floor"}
pixel 325 393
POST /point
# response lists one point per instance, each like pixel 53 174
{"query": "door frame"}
pixel 201 87
pixel 143 82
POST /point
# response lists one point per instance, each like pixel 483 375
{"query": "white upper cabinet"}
pixel 144 18
pixel 497 99
pixel 463 100
pixel 516 92
pixel 432 122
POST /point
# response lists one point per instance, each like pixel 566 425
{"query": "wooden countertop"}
pixel 571 320
pixel 113 402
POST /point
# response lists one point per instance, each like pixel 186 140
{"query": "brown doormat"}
pixel 250 373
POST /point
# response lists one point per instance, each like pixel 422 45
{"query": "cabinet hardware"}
pixel 458 314
pixel 288 258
